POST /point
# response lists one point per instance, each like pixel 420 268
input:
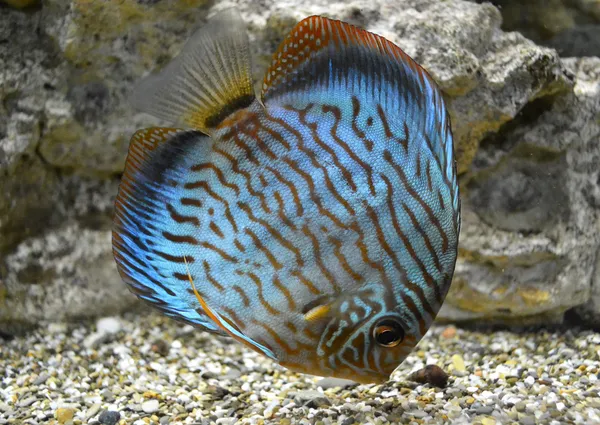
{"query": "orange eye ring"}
pixel 388 333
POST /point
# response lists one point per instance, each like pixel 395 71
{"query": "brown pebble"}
pixel 432 375
pixel 449 332
pixel 161 347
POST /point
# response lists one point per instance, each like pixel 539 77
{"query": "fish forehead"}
pixel 315 200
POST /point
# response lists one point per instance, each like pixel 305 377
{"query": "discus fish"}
pixel 318 223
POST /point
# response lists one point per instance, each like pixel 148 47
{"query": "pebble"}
pixel 419 414
pixel 458 363
pixel 64 414
pixel 57 328
pixel 26 402
pixel 109 417
pixel 329 382
pixel 484 410
pixel 150 406
pixel 107 395
pixel 96 339
pixel 92 411
pixel 430 374
pixel 311 398
pixel 41 379
pixel 527 420
pixel 161 347
pixel 199 378
pixel 449 332
pixel 109 325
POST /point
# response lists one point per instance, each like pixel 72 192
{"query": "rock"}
pixel 570 26
pixel 20 4
pixel 65 124
pixel 108 417
pixel 537 19
pixel 419 414
pixel 218 392
pixel 488 75
pixel 590 311
pixel 107 45
pixel 28 204
pixel 232 374
pixel 531 211
pixel 525 192
pixel 578 41
pixel 66 273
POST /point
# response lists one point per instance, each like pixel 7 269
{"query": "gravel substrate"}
pixel 152 370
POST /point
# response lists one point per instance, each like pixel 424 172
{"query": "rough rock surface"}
pixel 570 26
pixel 68 66
pixel 67 273
pixel 488 75
pixel 531 229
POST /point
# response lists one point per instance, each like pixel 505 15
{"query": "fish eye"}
pixel 388 333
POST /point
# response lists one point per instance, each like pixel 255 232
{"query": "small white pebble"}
pixel 150 406
pixel 486 395
pixel 109 325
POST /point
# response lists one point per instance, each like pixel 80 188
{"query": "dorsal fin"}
pixel 319 36
pixel 207 81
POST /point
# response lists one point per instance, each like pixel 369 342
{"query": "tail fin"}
pixel 207 81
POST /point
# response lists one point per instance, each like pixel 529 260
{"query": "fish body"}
pixel 319 224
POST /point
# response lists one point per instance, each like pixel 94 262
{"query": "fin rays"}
pixel 139 244
pixel 207 81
